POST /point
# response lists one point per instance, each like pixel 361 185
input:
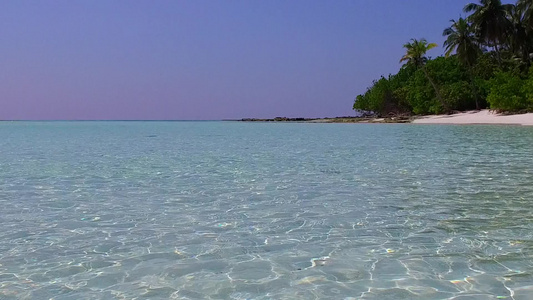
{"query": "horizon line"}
pixel 116 120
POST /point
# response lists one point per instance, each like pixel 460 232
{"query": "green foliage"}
pixel 488 56
pixel 421 95
pixel 490 19
pixel 459 95
pixel 446 70
pixel 509 92
pixel 485 67
pixel 386 95
pixel 527 89
pixel 416 52
pixel 411 91
pixel 462 40
pixel 375 97
pixel 455 85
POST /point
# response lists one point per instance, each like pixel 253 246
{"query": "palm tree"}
pixel 490 19
pixel 526 7
pixel 522 37
pixel 416 51
pixel 416 55
pixel 462 40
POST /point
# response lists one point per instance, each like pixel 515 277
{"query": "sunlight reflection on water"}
pixel 196 210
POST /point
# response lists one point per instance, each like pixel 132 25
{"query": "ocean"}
pixel 232 210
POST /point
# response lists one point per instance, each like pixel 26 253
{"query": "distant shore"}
pixel 332 120
pixel 463 118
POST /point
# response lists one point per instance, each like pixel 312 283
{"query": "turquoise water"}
pixel 229 210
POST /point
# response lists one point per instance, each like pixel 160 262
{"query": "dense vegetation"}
pixel 487 64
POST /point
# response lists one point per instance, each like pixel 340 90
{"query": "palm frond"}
pixel 431 46
pixel 471 7
pixel 449 52
pixel 404 58
pixel 448 31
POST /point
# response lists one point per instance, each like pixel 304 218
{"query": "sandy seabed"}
pixel 478 117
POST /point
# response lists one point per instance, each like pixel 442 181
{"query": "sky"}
pixel 203 59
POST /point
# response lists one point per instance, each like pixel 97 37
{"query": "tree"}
pixel 490 19
pixel 462 40
pixel 416 55
pixel 520 38
pixel 508 92
pixel 526 7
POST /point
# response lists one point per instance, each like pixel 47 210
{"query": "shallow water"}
pixel 228 210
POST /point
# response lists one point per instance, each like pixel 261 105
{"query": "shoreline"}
pixel 476 117
pixel 330 120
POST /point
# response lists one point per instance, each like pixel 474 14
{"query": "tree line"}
pixel 487 64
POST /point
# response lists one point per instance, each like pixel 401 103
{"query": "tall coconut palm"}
pixel 490 19
pixel 526 7
pixel 520 37
pixel 416 55
pixel 462 40
pixel 416 52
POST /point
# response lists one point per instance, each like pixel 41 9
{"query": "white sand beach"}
pixel 478 117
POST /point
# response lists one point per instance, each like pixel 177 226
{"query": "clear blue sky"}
pixel 203 59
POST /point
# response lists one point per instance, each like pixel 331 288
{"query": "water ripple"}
pixel 223 210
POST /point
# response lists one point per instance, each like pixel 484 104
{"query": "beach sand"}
pixel 478 117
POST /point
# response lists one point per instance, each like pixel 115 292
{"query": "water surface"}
pixel 228 210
